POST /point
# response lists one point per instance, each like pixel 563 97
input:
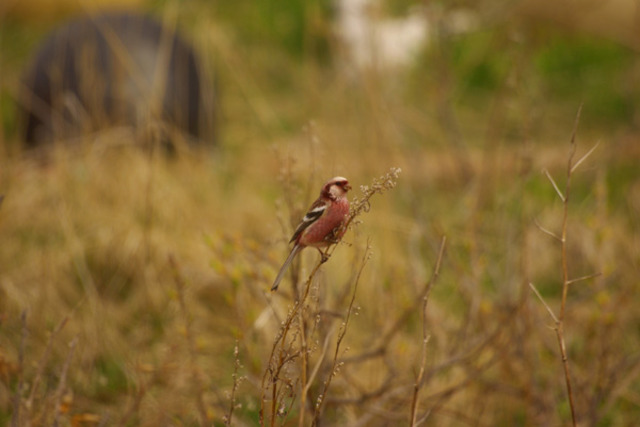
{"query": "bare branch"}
pixel 316 369
pixel 580 279
pixel 17 398
pixel 535 290
pixel 575 125
pixel 546 231
pixel 43 362
pixel 191 344
pixel 63 381
pixel 418 383
pixel 425 335
pixel 343 331
pixel 583 158
pixel 565 272
pixel 555 186
pixel 236 382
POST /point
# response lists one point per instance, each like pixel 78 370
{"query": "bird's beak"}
pixel 347 187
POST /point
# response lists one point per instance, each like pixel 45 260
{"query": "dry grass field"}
pixel 134 285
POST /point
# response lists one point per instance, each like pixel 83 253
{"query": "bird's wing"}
pixel 315 212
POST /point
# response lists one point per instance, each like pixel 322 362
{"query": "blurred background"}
pixel 155 264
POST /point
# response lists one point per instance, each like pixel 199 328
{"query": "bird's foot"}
pixel 323 257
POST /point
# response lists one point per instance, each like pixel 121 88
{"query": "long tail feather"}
pixel 285 266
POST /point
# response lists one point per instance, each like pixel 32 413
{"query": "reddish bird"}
pixel 323 224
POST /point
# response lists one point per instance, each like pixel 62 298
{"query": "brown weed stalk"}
pixel 236 382
pixel 335 364
pixel 566 280
pixel 425 335
pixel 191 345
pixel 282 353
pixel 59 394
pixel 17 398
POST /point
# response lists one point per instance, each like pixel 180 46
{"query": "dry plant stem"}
pixel 180 285
pixel 425 335
pixel 232 398
pixel 63 381
pixel 380 348
pixel 316 369
pixel 304 362
pixel 148 202
pixel 41 367
pixel 43 362
pixel 305 384
pixel 15 418
pixel 565 272
pixel 582 278
pixel 343 331
pixel 275 366
pixel 423 362
pixel 566 282
pixel 134 406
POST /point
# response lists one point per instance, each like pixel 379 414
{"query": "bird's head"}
pixel 335 188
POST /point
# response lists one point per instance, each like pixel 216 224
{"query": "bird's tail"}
pixel 285 266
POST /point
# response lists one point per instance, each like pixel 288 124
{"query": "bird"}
pixel 323 224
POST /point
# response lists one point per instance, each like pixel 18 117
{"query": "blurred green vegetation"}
pixel 566 68
pixel 598 72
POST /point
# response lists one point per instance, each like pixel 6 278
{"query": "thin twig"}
pixel 134 407
pixel 546 231
pixel 17 398
pixel 583 158
pixel 63 382
pixel 576 122
pixel 559 320
pixel 381 346
pixel 343 331
pixel 275 366
pixel 316 369
pixel 43 362
pixel 304 366
pixel 555 186
pixel 565 272
pixel 191 346
pixel 580 279
pixel 425 336
pixel 418 383
pixel 535 290
pixel 236 382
